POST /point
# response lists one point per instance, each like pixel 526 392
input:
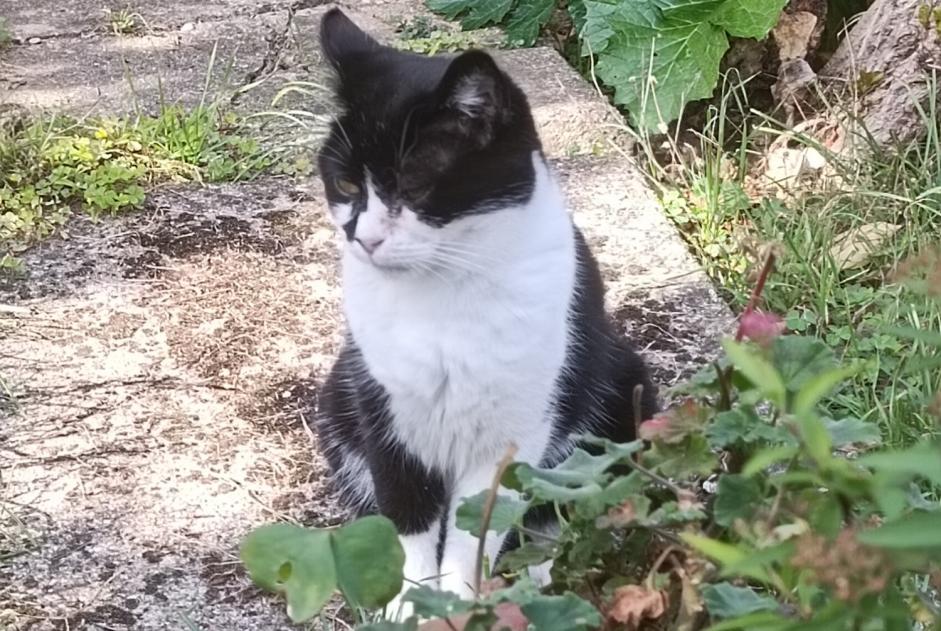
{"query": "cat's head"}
pixel 425 149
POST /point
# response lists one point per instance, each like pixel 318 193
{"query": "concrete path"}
pixel 165 364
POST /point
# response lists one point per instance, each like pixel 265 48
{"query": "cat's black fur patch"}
pixel 444 136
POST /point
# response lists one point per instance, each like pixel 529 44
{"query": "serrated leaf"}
pixel 724 600
pixel 295 561
pixel 744 426
pixel 691 457
pixel 918 530
pixel 737 496
pixel 749 18
pixel 567 612
pixel 634 40
pixel 529 554
pixel 475 13
pixel 369 558
pixel 507 512
pixel 526 20
pixel 799 359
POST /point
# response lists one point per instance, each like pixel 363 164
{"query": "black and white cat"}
pixel 474 307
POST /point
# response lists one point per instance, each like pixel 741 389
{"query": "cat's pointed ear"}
pixel 340 38
pixel 474 86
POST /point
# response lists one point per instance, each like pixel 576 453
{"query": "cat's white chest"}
pixel 468 368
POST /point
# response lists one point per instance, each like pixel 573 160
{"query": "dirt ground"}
pixel 160 370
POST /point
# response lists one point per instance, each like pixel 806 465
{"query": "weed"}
pixel 51 168
pixel 849 305
pixel 125 21
pixel 419 35
pixel 6 36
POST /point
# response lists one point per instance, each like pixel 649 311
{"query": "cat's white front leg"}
pixel 460 547
pixel 421 567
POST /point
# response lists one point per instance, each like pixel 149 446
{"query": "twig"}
pixel 756 293
pixel 488 513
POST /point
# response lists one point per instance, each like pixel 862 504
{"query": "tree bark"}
pixel 890 62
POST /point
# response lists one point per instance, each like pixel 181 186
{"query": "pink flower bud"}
pixel 760 327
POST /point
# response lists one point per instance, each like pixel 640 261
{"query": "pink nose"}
pixel 370 245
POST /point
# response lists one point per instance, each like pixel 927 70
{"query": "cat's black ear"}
pixel 340 38
pixel 474 86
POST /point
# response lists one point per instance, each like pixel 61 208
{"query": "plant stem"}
pixel 488 513
pixel 756 293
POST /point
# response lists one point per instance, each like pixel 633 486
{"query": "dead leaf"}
pixel 853 247
pixel 632 604
pixel 618 516
pixel 792 34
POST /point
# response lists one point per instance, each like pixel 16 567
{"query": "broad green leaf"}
pixel 634 40
pixel 852 431
pixel 561 613
pixel 475 13
pixel 409 625
pixel 432 603
pixel 749 18
pixel 724 600
pixel 744 426
pixel 815 437
pixel 690 457
pixel 579 477
pixel 922 460
pixel 295 561
pixel 755 563
pixel 767 457
pixel 737 497
pixel 368 557
pixel 526 19
pixel 761 373
pixel 816 388
pixel 799 359
pixel 918 530
pixel 507 512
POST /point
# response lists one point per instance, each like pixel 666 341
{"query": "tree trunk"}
pixel 891 61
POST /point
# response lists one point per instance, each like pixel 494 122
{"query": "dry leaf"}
pixel 852 248
pixel 632 604
pixel 792 34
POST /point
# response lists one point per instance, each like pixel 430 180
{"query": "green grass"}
pixel 852 308
pixel 52 168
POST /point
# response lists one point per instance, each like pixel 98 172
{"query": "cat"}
pixel 474 308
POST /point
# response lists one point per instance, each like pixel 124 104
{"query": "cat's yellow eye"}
pixel 348 188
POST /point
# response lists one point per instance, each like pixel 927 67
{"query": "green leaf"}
pixel 579 477
pixel 749 18
pixel 917 530
pixel 816 388
pixel 799 359
pixel 567 612
pixel 737 496
pixel 852 431
pixel 295 561
pixel 432 603
pixel 409 625
pixel 724 600
pixel 760 621
pixel 744 426
pixel 633 40
pixel 761 373
pixel 526 19
pixel 719 551
pixel 507 512
pixel 691 457
pixel 767 457
pixel 476 13
pixel 529 554
pixel 369 558
pixel 922 460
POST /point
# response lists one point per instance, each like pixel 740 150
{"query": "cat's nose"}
pixel 370 245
